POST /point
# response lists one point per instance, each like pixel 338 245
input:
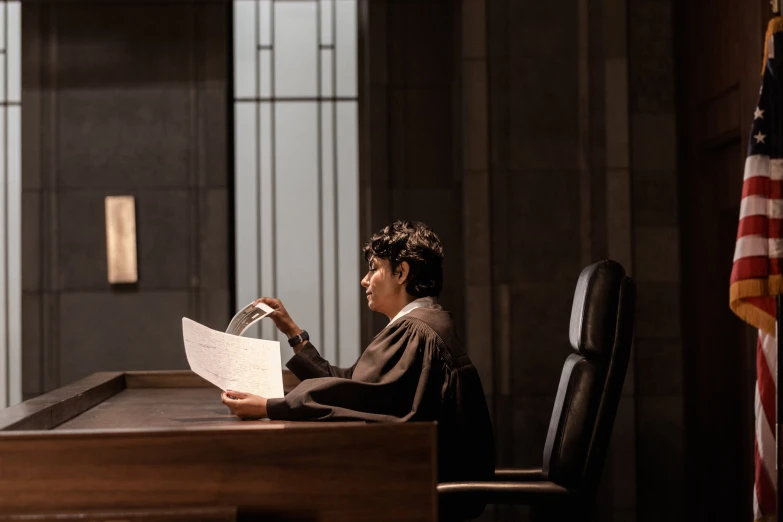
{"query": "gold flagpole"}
pixel 775 4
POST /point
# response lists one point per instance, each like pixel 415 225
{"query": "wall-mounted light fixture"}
pixel 121 239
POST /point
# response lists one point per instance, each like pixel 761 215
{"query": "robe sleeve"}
pixel 394 386
pixel 307 363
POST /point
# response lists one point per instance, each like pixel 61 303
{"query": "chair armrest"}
pixel 502 492
pixel 520 475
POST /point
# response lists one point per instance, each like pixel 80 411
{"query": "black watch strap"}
pixel 299 338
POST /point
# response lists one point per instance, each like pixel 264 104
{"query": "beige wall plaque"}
pixel 121 239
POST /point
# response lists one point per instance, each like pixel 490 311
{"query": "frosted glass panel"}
pixel 245 49
pixel 265 63
pixel 346 48
pixel 14 51
pixel 2 26
pixel 286 248
pixel 296 162
pixel 267 254
pixel 295 49
pixel 246 204
pixel 10 204
pixel 327 37
pixel 14 254
pixel 328 224
pixel 3 154
pixel 4 351
pixel 348 221
pixel 327 73
pixel 2 74
pixel 265 22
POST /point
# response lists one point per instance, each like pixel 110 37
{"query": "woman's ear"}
pixel 403 271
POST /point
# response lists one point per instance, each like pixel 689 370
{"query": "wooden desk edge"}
pixel 424 428
pixel 58 406
pixel 165 379
pixel 200 514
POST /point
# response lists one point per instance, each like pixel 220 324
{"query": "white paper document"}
pixel 233 363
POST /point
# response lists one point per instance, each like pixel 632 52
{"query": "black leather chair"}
pixel 601 332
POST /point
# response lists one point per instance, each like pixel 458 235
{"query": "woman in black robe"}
pixel 415 369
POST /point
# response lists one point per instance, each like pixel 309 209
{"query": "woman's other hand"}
pixel 245 405
pixel 280 316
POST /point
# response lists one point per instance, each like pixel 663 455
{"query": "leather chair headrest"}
pixel 594 312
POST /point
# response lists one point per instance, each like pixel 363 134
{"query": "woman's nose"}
pixel 365 282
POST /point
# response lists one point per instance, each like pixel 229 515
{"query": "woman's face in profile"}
pixel 382 287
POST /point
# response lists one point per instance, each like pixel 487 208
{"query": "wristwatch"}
pixel 299 338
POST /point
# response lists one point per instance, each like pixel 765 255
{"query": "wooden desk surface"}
pixel 167 408
pixel 164 443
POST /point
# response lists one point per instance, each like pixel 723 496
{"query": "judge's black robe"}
pixel 414 370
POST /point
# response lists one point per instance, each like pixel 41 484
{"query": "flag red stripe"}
pixel 765 491
pixel 756 267
pixel 763 303
pixel 762 186
pixel 766 385
pixel 753 226
pixel 760 226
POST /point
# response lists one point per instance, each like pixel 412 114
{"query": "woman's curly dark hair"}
pixel 415 243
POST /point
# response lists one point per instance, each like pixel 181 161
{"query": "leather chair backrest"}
pixel 601 333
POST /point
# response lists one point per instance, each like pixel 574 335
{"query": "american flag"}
pixel 756 274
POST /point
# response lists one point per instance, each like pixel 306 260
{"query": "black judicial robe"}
pixel 414 370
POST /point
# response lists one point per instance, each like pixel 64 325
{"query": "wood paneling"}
pixel 124 99
pixel 719 55
pixel 411 165
pixel 353 473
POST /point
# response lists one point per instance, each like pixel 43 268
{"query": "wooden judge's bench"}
pixel 161 446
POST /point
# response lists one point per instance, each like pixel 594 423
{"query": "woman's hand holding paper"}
pixel 246 406
pixel 280 316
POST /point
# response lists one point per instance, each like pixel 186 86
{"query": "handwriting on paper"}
pixel 233 363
